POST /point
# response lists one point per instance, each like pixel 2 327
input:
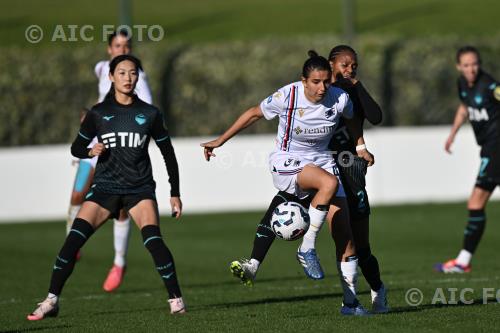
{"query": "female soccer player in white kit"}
pixel 309 112
pixel 118 44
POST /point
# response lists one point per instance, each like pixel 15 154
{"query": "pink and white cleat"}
pixel 114 278
pixel 47 308
pixel 452 267
pixel 177 305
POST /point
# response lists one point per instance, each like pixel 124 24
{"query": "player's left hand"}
pixel 176 204
pixel 367 156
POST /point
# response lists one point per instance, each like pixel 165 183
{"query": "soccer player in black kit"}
pixel 123 178
pixel 479 95
pixel 353 158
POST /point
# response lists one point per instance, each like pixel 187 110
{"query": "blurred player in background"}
pixel 301 162
pixel 479 95
pixel 344 63
pixel 124 125
pixel 118 44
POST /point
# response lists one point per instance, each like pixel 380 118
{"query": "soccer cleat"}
pixel 451 266
pixel 47 308
pixel 177 305
pixel 353 310
pixel 309 260
pixel 379 301
pixel 244 271
pixel 114 278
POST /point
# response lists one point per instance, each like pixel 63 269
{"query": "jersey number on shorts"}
pixel 484 164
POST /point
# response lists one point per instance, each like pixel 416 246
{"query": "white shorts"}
pixel 286 166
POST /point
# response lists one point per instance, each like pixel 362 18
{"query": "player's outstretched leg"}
pixel 63 267
pixel 165 266
pixel 121 235
pixel 473 232
pixel 246 270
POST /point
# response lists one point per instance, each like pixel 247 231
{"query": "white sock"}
pixel 121 232
pixel 53 297
pixel 464 258
pixel 348 273
pixel 317 218
pixel 72 212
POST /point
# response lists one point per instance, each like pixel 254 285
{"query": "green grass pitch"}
pixel 407 240
pixel 196 21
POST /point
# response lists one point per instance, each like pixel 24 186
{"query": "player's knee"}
pixel 475 205
pixel 329 184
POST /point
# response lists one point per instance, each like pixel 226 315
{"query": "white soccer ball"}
pixel 290 221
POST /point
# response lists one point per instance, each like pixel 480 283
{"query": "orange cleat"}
pixel 114 278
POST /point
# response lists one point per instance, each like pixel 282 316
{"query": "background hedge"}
pixel 203 89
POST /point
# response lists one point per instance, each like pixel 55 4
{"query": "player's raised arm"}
pixel 460 118
pixel 248 117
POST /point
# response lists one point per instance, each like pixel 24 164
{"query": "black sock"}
pixel 80 232
pixel 264 237
pixel 474 229
pixel 369 267
pixel 162 258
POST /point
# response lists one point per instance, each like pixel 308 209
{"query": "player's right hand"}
pixel 97 150
pixel 367 156
pixel 447 145
pixel 209 147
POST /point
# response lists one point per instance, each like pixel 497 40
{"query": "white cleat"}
pixel 47 308
pixel 357 310
pixel 379 301
pixel 177 305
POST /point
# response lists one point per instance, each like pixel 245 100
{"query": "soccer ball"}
pixel 290 221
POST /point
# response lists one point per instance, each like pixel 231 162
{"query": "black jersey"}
pixel 125 131
pixel 364 108
pixel 482 101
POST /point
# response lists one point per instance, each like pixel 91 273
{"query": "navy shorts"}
pixel 115 202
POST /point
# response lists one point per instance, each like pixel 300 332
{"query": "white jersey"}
pixel 304 127
pixel 102 72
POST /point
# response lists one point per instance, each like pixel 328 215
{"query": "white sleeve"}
pixel 142 88
pixel 98 69
pixel 274 105
pixel 347 107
